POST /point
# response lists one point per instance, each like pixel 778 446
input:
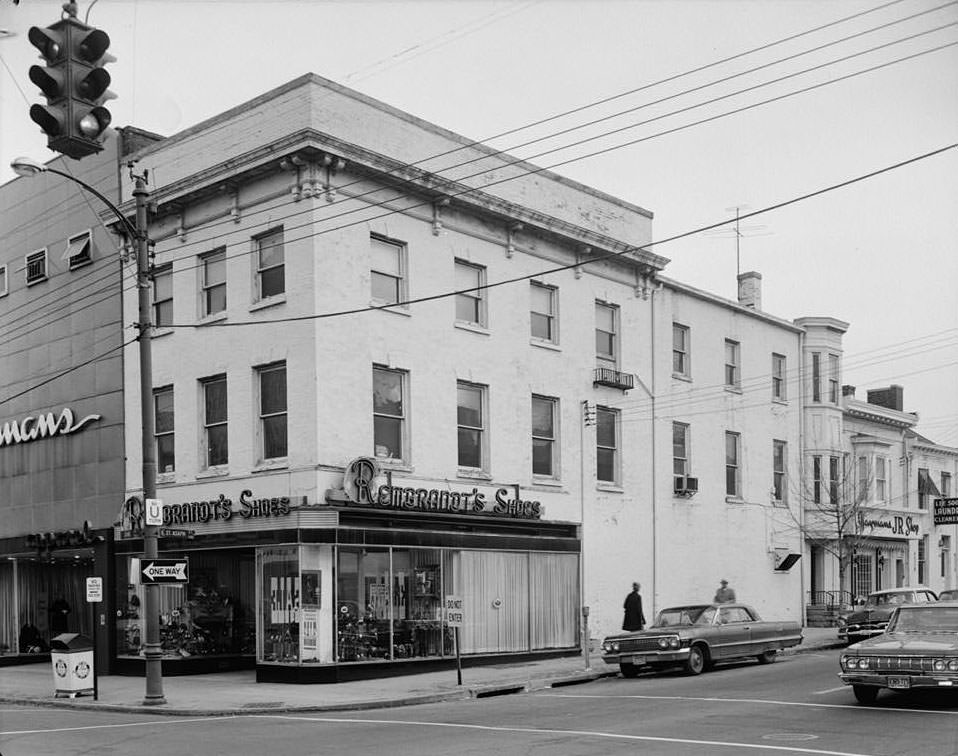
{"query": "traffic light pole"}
pixel 152 650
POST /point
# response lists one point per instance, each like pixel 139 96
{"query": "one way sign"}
pixel 164 571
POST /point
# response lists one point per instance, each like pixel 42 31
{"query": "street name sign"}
pixel 164 571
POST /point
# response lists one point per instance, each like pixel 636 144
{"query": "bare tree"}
pixel 832 507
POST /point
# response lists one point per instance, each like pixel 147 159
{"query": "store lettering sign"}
pixel 63 539
pixel 46 425
pixel 221 509
pixel 894 524
pixel 360 489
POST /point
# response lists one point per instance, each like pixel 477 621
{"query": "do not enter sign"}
pixel 454 613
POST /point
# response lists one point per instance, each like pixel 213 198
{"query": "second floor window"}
pixel 833 378
pixel 543 312
pixel 733 378
pixel 606 332
pixel 778 377
pixel 680 350
pixel 779 456
pixel 816 377
pixel 79 250
pixel 164 429
pixel 386 270
pixel 544 436
pixel 881 479
pixel 946 485
pixel 834 478
pixel 214 282
pixel 680 449
pixel 215 437
pixel 864 480
pixel 36 264
pixel 272 411
pixel 163 296
pixel 926 488
pixel 607 445
pixel 470 418
pixel 270 264
pixel 733 472
pixel 389 413
pixel 470 303
pixel 817 479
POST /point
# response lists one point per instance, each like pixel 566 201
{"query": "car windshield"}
pixel 925 619
pixel 888 599
pixel 685 616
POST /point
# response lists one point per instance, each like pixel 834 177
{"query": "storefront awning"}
pixel 926 485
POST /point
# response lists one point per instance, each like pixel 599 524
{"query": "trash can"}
pixel 72 658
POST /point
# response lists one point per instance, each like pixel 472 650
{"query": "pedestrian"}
pixel 724 595
pixel 634 618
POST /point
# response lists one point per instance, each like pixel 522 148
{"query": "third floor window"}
pixel 163 296
pixel 270 264
pixel 387 270
pixel 733 369
pixel 680 350
pixel 543 312
pixel 214 282
pixel 606 332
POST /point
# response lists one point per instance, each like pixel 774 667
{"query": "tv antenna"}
pixel 739 232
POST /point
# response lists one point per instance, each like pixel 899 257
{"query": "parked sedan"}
pixel 697 636
pixel 949 595
pixel 919 649
pixel 871 618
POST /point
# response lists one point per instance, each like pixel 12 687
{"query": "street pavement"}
pixel 231 693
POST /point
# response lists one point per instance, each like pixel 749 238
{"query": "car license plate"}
pixel 899 682
pixel 638 661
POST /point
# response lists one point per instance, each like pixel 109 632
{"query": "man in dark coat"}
pixel 634 618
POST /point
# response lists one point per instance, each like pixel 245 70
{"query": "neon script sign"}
pixel 46 425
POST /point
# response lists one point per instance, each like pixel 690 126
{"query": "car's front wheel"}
pixel 865 694
pixel 696 662
pixel 628 670
pixel 766 658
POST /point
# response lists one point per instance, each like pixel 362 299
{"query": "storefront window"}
pixel 209 616
pixel 279 603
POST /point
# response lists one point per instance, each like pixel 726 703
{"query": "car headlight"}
pixel 842 621
pixel 675 642
pixel 953 665
pixel 850 662
pixel 939 665
pixel 663 643
pixel 864 662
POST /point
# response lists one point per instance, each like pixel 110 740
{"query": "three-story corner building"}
pixel 393 366
pixel 61 406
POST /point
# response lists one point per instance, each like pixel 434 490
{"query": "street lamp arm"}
pixel 116 211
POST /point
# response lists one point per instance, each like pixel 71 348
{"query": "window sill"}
pixel 682 377
pixel 395 309
pixel 783 402
pixel 734 500
pixel 546 483
pixel 36 281
pixel 263 304
pixel 609 487
pixel 472 474
pixel 472 328
pixel 165 478
pixel 159 333
pixel 543 344
pixel 210 319
pixel 393 464
pixel 280 463
pixel 213 472
pixel 734 390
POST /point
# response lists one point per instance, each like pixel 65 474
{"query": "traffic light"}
pixel 75 85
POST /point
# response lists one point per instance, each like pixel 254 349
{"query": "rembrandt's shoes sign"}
pixel 365 484
pixel 34 427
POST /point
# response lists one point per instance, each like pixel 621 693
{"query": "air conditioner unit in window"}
pixel 685 485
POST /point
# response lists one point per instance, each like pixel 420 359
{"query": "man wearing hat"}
pixel 724 595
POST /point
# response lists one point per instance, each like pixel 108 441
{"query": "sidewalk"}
pixel 230 693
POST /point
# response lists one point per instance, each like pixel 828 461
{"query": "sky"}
pixel 717 107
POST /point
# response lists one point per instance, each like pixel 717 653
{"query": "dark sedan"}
pixel 872 616
pixel 696 636
pixel 919 649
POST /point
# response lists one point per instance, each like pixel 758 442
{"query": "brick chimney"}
pixel 890 398
pixel 750 290
pixel 848 390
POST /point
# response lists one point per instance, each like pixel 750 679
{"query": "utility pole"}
pixel 153 653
